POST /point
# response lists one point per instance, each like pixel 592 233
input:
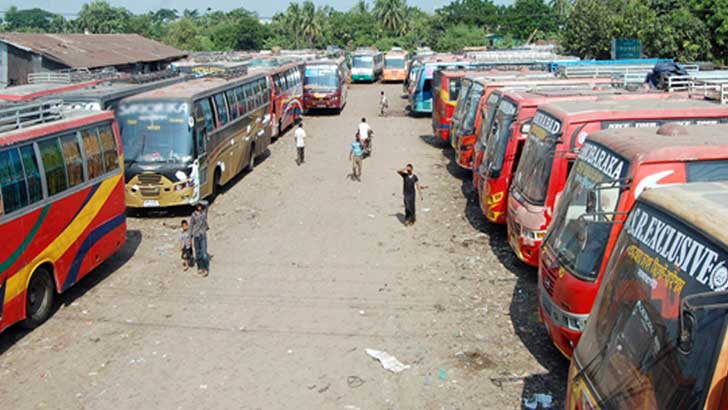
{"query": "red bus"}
pixel 325 84
pixel 657 338
pixel 561 128
pixel 286 96
pixel 446 86
pixel 61 204
pixel 464 131
pixel 507 135
pixel 613 168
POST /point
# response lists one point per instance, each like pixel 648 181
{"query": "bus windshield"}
pixel 321 78
pixel 155 131
pixel 630 350
pixel 578 235
pixel 471 109
pixel 394 62
pixel 495 151
pixel 453 86
pixel 363 62
pixel 461 101
pixel 486 126
pixel 534 170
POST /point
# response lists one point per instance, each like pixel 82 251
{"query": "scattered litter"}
pixel 289 351
pixel 203 386
pixel 361 312
pixel 426 210
pixel 544 400
pixel 428 379
pixel 458 333
pixel 388 361
pixel 354 381
pixel 371 216
pixel 351 407
pixel 323 389
pixel 441 374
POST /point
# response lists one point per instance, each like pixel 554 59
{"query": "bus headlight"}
pixel 183 185
pixel 575 323
pixel 533 235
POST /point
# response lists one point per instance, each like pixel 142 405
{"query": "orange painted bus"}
pixel 395 65
pixel 61 204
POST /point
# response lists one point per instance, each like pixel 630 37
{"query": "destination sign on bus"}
pixel 605 161
pixel 677 249
pixel 547 122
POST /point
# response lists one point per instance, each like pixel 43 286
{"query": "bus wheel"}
pixel 39 299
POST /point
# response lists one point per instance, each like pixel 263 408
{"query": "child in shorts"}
pixel 185 245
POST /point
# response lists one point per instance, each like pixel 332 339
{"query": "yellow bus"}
pixel 183 142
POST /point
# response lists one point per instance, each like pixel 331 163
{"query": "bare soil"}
pixel 309 268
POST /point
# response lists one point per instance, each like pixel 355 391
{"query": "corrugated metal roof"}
pixel 93 50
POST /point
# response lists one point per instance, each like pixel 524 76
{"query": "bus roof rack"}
pixel 17 116
pixel 686 82
pixel 714 89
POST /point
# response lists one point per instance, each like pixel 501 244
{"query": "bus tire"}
pixel 251 159
pixel 39 299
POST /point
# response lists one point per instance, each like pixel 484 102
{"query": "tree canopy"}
pixel 687 30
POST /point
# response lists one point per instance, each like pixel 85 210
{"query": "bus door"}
pixel 202 130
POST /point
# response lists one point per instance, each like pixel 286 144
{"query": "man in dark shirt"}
pixel 411 184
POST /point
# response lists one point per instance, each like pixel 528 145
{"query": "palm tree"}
pixel 360 7
pixel 310 23
pixel 392 15
pixel 562 8
pixel 293 19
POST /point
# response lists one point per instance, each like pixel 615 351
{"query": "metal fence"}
pixel 25 115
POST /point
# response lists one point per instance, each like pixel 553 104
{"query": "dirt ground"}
pixel 309 269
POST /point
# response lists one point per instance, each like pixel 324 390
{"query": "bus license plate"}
pixel 148 203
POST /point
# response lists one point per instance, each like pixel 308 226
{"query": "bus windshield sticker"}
pixel 604 160
pixel 547 122
pixel 670 251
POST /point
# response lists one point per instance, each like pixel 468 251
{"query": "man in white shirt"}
pixel 365 132
pixel 300 136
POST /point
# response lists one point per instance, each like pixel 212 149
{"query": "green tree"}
pixel 32 20
pixel 480 13
pixel 392 15
pixel 680 35
pixel 310 23
pixel 588 32
pixel 459 36
pixel 529 19
pixel 714 14
pixel 100 17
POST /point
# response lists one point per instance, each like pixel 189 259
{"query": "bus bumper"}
pixel 361 78
pixel 160 195
pixel 493 205
pixel 561 326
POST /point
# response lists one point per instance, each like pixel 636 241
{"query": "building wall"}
pixel 16 64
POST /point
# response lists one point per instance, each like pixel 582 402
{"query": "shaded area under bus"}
pixel 17 333
pixel 523 309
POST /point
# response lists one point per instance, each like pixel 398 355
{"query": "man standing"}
pixel 365 132
pixel 411 184
pixel 383 104
pixel 198 231
pixel 300 136
pixel 356 155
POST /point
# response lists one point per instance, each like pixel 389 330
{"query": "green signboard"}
pixel 626 48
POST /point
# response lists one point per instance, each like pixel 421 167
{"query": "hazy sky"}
pixel 263 8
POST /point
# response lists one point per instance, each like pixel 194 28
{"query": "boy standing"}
pixel 411 184
pixel 185 245
pixel 300 136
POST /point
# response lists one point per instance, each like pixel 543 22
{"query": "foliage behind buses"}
pixel 183 142
pixel 61 204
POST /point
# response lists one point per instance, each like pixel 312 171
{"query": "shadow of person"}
pixel 400 217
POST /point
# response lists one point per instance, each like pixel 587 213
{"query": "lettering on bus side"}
pixel 678 249
pixel 605 161
pixel 608 125
pixel 547 122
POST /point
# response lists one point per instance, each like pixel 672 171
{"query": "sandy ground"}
pixel 309 270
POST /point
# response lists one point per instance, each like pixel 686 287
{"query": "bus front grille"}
pixel 149 191
pixel 149 179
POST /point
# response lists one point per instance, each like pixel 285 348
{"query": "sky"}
pixel 263 8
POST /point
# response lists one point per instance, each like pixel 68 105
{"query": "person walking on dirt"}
pixel 411 184
pixel 300 136
pixel 356 156
pixel 383 104
pixel 198 231
pixel 365 134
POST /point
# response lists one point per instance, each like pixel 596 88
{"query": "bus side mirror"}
pixel 525 128
pixel 687 328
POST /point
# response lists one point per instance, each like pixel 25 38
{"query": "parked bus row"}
pixel 564 165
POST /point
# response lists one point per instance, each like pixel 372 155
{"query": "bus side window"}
pixel 92 148
pixel 248 97
pixel 230 94
pixel 200 131
pixel 241 100
pixel 55 169
pixel 32 174
pixel 72 159
pixel 12 181
pixel 206 108
pixel 221 109
pixel 108 148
